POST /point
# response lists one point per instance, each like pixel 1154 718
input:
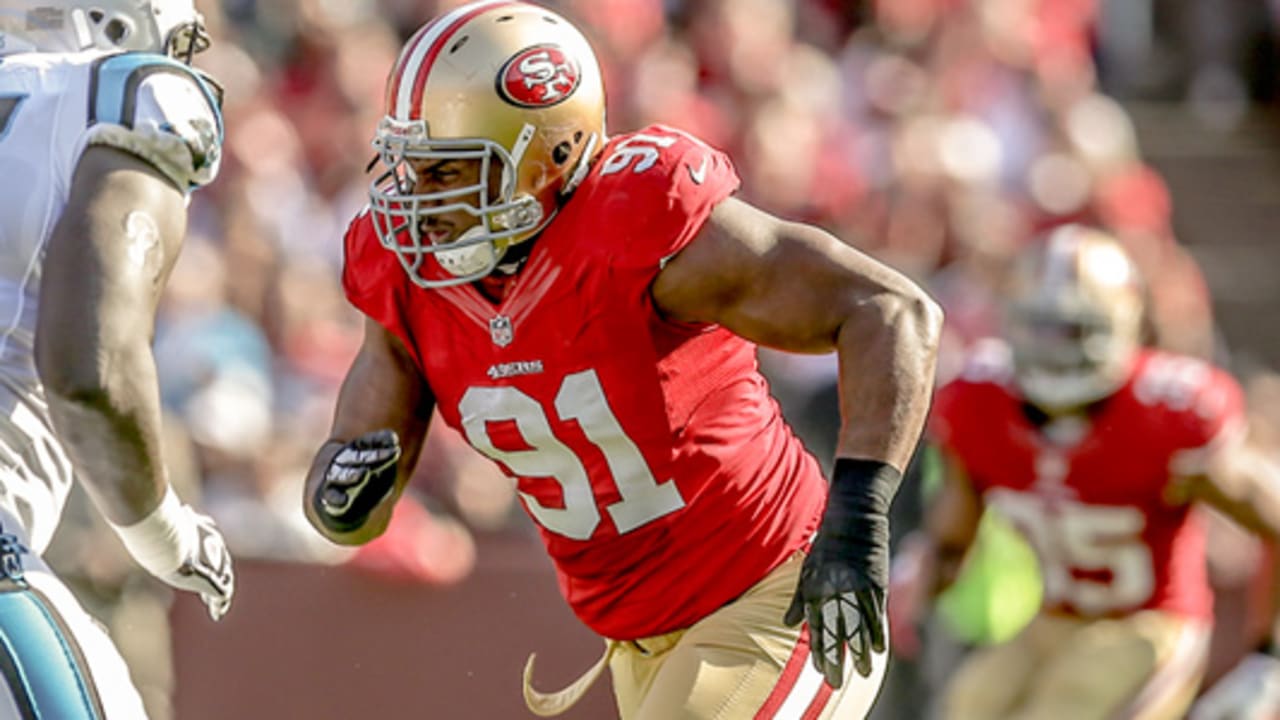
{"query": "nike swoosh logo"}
pixel 700 175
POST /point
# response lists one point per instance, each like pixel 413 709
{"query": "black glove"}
pixel 358 478
pixel 844 578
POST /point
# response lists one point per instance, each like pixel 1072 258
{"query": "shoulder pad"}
pixel 1196 401
pixel 656 187
pixel 159 109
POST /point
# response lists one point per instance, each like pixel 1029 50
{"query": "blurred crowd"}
pixel 939 135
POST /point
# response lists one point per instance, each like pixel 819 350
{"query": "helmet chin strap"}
pixel 514 258
pixel 468 260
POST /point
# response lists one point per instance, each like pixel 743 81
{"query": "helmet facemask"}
pixel 1074 324
pixel 1064 362
pixel 403 217
pixel 186 40
pixel 170 27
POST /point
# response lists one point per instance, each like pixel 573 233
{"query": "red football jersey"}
pixel 650 453
pixel 1093 501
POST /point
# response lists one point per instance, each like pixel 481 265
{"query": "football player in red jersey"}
pixel 1097 450
pixel 585 310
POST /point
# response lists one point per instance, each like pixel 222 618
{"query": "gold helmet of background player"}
pixel 510 84
pixel 1074 320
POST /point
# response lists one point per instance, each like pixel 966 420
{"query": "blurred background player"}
pixel 1096 449
pixel 108 130
pixel 586 310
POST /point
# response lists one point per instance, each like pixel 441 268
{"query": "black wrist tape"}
pixel 856 520
pixel 867 486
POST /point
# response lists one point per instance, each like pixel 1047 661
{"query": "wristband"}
pixel 157 541
pixel 857 514
pixel 865 485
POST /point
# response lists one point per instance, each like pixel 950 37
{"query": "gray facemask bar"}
pixel 187 40
pixel 1051 350
pixel 397 211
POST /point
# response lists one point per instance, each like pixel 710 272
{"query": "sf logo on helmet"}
pixel 539 76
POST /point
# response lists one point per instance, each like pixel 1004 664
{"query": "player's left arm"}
pixel 1239 479
pixel 1220 462
pixel 154 135
pixel 105 266
pixel 798 288
pixel 795 287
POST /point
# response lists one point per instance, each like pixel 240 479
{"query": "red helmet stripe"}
pixel 397 73
pixel 410 79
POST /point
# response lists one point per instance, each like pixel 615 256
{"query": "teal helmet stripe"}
pixel 113 87
pixel 41 663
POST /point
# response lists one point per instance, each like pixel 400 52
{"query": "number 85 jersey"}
pixel 1098 507
pixel 650 454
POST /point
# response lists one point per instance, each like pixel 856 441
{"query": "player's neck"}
pixel 496 287
pixel 1063 427
pixel 1038 415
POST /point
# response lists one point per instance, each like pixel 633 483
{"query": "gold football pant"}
pixel 739 663
pixel 1147 665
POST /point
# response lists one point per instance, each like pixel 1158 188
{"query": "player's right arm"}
pixel 1221 465
pixel 951 524
pixel 929 559
pixel 383 410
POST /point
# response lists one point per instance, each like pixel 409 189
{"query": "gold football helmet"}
pixel 510 84
pixel 1075 318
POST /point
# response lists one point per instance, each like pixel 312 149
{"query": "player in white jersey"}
pixel 103 135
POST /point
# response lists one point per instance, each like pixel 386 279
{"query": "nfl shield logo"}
pixel 500 330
